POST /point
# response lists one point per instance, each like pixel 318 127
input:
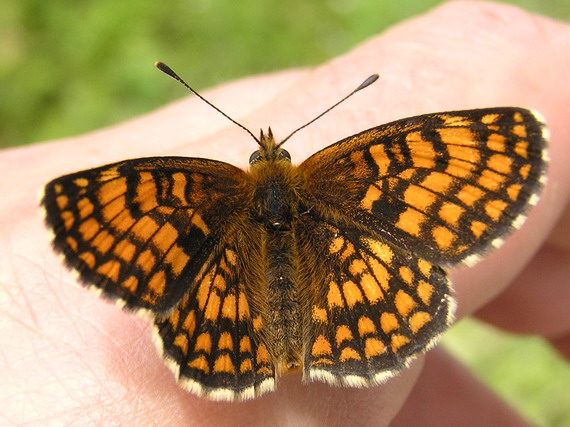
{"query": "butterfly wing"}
pixel 444 185
pixel 136 230
pixel 387 208
pixel 167 235
pixel 370 308
pixel 210 339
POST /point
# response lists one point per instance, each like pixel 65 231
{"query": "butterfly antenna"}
pixel 363 85
pixel 168 71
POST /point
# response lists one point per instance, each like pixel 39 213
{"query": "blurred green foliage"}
pixel 69 67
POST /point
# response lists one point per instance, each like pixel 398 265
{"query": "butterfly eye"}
pixel 255 157
pixel 283 154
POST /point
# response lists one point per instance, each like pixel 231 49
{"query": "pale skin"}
pixel 67 357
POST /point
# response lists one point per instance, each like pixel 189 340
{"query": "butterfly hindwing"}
pixel 211 339
pixel 445 185
pixel 136 230
pixel 370 308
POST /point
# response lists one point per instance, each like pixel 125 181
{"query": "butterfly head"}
pixel 269 150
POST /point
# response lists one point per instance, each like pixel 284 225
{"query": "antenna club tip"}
pixel 167 70
pixel 371 79
pixel 161 65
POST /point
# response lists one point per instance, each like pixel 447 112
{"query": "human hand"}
pixel 69 357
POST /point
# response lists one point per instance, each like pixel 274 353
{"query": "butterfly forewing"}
pixel 138 229
pixel 443 185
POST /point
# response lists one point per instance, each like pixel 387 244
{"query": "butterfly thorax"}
pixel 275 185
pixel 275 196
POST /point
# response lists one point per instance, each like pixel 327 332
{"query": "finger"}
pixel 448 394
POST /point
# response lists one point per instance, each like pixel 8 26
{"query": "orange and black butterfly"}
pixel 335 266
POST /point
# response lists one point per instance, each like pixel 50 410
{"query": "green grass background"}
pixel 69 67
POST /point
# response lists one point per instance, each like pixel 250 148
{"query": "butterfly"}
pixel 336 267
